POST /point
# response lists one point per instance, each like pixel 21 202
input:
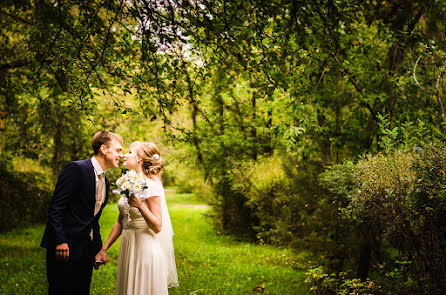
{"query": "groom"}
pixel 72 236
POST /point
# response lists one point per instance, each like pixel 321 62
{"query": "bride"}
pixel 146 261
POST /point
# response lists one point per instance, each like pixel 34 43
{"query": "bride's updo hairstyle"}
pixel 152 163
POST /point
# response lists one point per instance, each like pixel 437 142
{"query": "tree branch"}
pixel 415 77
pixel 437 94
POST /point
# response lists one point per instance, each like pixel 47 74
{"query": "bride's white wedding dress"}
pixel 146 261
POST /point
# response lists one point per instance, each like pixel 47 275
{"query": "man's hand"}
pixel 62 252
pixel 101 258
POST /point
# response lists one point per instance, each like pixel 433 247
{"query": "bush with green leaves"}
pixel 265 186
pixel 24 196
pixel 280 202
pixel 397 201
pixel 339 283
pixel 230 213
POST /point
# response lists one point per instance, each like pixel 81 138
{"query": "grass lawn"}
pixel 207 263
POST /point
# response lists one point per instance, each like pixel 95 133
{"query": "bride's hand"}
pixel 100 258
pixel 134 201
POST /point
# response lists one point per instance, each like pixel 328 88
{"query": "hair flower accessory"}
pixel 156 157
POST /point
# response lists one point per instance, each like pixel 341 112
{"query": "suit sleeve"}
pixel 66 184
pixel 97 240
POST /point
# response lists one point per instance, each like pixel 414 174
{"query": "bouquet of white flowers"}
pixel 130 183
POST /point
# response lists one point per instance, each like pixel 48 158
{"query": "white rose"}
pixel 126 185
pixel 132 175
pixel 137 188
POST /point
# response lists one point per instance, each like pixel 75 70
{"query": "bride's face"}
pixel 130 160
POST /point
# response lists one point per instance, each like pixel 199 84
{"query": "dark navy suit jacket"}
pixel 71 211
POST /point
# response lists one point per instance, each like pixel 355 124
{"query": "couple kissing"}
pixel 146 261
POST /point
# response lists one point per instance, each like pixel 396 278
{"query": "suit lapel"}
pixel 92 183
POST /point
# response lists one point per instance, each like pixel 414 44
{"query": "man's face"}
pixel 112 153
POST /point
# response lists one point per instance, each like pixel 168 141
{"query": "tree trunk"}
pixel 365 253
pixel 253 127
pixel 268 148
pixel 57 148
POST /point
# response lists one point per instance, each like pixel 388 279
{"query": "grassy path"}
pixel 207 263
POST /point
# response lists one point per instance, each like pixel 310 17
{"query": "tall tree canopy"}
pixel 276 74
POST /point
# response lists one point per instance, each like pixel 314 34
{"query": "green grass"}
pixel 183 198
pixel 207 263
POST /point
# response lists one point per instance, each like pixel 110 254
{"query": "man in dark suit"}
pixel 72 237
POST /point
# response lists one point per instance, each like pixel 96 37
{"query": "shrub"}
pixel 284 200
pixel 24 196
pixel 321 283
pixel 265 186
pixel 398 202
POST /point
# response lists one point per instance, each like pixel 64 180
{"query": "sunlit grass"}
pixel 207 263
pixel 183 198
pixel 212 264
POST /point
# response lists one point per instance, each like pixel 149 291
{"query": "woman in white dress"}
pixel 146 261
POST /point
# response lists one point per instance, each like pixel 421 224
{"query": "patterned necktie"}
pixel 100 194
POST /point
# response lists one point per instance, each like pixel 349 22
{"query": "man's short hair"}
pixel 103 137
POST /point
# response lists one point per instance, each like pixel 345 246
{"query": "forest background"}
pixel 313 125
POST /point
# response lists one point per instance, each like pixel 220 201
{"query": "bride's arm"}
pixel 151 211
pixel 114 234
